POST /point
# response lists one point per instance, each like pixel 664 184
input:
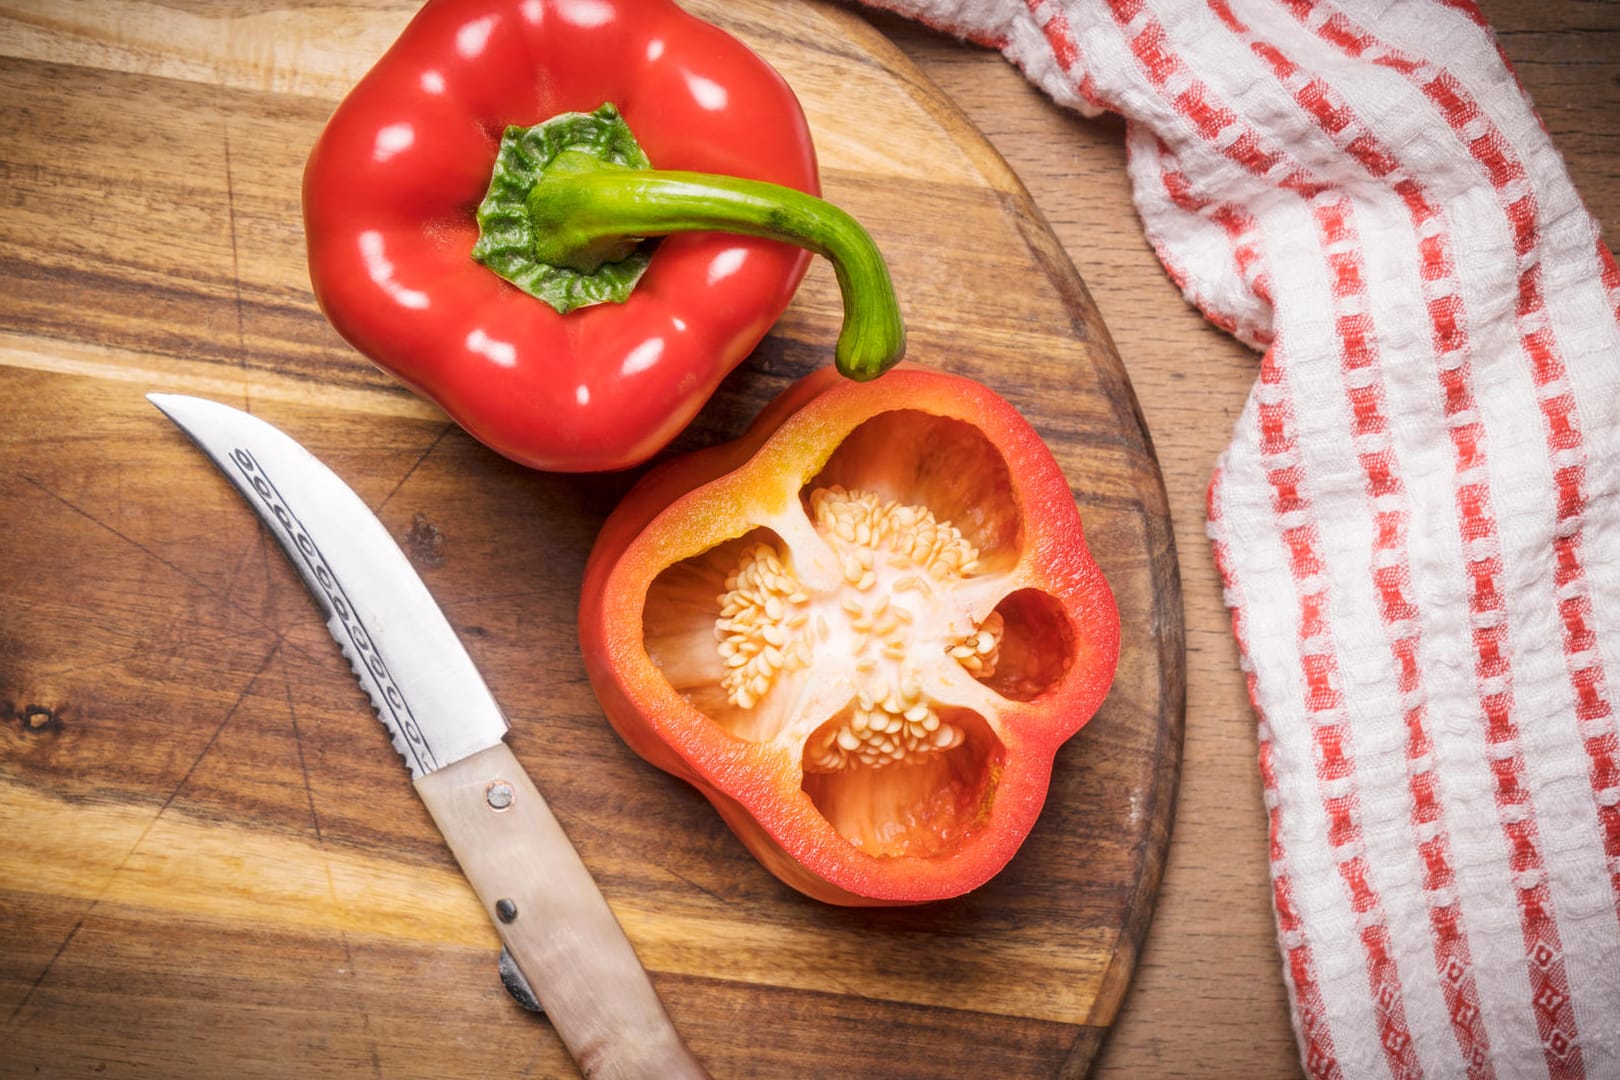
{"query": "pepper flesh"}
pixel 862 631
pixel 391 188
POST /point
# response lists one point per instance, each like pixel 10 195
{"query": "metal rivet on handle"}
pixel 499 795
pixel 505 910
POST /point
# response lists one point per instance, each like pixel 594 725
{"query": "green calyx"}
pixel 562 146
pixel 573 199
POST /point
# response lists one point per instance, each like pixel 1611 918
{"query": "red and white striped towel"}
pixel 1417 520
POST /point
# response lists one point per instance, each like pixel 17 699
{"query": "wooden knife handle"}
pixel 553 919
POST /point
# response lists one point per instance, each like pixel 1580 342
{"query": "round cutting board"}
pixel 214 863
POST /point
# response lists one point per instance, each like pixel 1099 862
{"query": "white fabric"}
pixel 1417 520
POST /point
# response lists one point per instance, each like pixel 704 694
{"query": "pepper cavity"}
pixel 884 615
pixel 873 630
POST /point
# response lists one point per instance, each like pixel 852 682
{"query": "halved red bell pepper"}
pixel 862 631
pixel 477 215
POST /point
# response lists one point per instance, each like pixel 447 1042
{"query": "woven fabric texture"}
pixel 1417 520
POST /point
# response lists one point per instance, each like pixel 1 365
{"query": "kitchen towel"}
pixel 1417 520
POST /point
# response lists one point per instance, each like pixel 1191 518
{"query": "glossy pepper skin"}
pixel 392 186
pixel 791 762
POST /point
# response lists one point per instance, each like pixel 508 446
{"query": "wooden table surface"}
pixel 1207 998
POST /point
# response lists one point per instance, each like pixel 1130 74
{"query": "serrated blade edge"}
pixel 421 682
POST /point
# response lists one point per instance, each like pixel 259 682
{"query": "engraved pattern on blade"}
pixel 344 623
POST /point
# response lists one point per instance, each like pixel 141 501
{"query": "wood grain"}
pixel 215 862
pixel 1207 998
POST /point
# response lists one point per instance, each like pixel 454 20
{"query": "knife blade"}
pixel 550 915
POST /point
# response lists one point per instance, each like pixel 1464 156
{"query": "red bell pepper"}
pixel 862 631
pixel 479 184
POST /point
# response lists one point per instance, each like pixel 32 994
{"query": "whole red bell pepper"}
pixel 862 631
pixel 478 212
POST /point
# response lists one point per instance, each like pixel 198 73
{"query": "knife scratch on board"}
pixel 236 262
pixel 17 1019
pixel 326 862
pixel 410 471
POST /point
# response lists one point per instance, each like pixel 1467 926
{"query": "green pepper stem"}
pixel 580 218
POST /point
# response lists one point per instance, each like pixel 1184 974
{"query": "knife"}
pixel 551 917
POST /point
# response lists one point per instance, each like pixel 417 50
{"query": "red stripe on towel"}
pixel 1550 993
pixel 1332 731
pixel 1321 1061
pixel 1065 50
pixel 1392 567
pixel 1610 271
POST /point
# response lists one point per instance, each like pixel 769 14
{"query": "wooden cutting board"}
pixel 213 863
